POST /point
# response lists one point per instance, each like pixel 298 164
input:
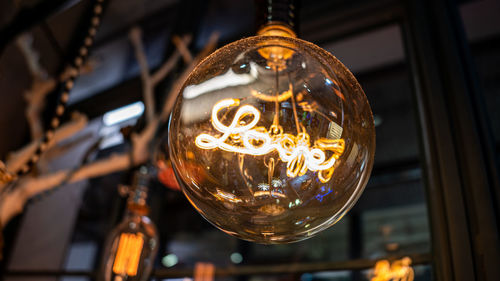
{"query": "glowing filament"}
pixel 245 137
pixel 128 254
pixel 399 270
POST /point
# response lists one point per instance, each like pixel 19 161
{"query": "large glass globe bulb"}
pixel 272 139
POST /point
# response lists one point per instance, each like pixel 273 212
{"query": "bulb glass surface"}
pixel 272 139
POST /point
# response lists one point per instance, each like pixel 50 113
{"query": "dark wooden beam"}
pixel 273 269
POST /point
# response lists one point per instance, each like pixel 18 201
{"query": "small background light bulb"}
pixel 131 247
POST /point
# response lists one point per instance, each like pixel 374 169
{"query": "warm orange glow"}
pixel 246 137
pixel 399 270
pixel 226 196
pixel 204 271
pixel 276 29
pixel 282 97
pixel 128 254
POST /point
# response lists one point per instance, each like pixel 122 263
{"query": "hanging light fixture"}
pixel 132 246
pixel 272 138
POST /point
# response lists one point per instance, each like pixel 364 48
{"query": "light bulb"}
pixel 132 246
pixel 272 138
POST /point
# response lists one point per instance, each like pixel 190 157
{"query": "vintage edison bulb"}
pixel 132 246
pixel 272 138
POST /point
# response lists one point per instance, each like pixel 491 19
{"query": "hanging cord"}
pixel 64 90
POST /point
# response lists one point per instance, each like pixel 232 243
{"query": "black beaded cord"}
pixel 66 86
pixel 283 11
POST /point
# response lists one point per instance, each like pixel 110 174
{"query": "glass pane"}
pixel 391 215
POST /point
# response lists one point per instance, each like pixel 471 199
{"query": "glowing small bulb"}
pixel 128 254
pixel 131 247
pixel 270 131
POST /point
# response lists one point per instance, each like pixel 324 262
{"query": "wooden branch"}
pixel 149 81
pixel 12 203
pixel 177 86
pixel 66 147
pixel 35 98
pixel 40 86
pixel 165 69
pixel 182 48
pixel 147 87
pixel 25 44
pixel 17 159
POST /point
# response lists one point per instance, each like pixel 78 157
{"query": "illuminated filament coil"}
pixel 248 138
pixel 128 254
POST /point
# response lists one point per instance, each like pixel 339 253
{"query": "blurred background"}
pixel 65 229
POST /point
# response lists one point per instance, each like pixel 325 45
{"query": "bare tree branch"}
pixel 147 89
pixel 35 98
pixel 149 81
pixel 185 53
pixel 176 87
pixel 165 69
pixel 25 44
pixel 17 159
pixel 12 203
pixel 40 86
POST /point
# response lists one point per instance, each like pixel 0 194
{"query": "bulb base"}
pixel 276 29
pixel 284 12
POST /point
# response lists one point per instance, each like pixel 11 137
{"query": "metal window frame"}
pixel 461 174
